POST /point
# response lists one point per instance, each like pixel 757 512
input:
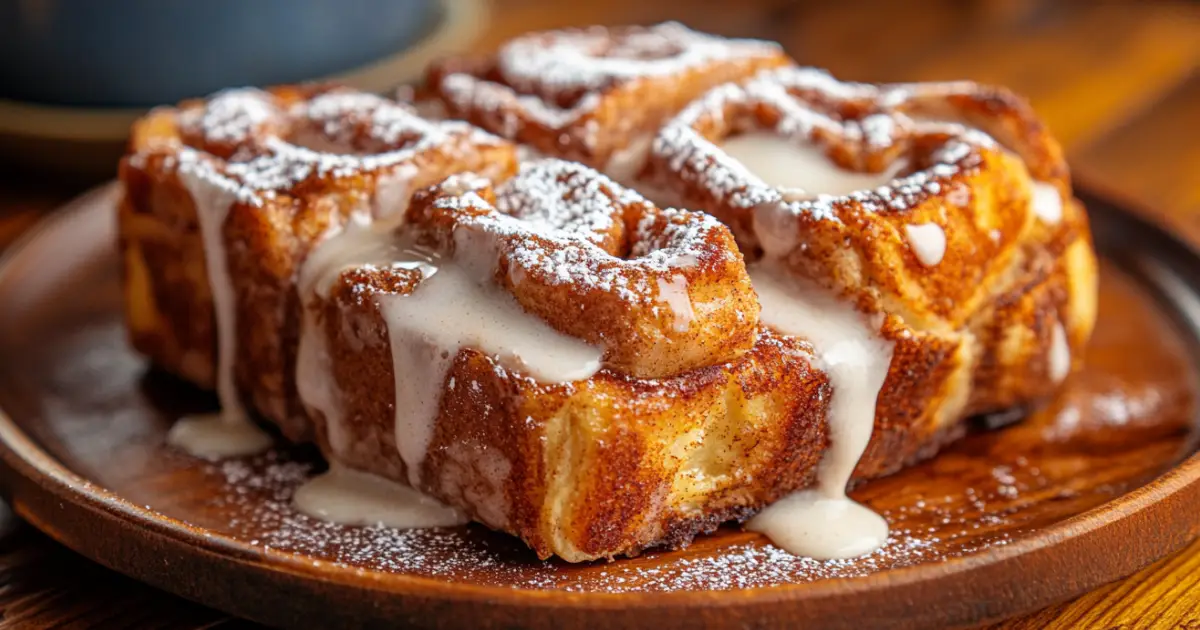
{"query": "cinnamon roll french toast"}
pixel 781 284
pixel 225 197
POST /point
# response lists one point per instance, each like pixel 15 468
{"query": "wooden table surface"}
pixel 1118 82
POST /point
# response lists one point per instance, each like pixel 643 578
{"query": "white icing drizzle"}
pixel 820 522
pixel 393 191
pixel 928 242
pixel 674 293
pixel 314 379
pixel 229 433
pixel 460 306
pixel 356 133
pixel 352 497
pixel 801 96
pixel 1059 360
pixel 799 168
pixel 1047 202
pixel 823 522
pixel 362 243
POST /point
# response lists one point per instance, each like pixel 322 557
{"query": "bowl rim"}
pixel 457 23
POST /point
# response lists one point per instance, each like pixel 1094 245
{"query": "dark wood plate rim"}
pixel 42 490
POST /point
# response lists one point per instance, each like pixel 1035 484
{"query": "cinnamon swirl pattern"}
pixel 594 95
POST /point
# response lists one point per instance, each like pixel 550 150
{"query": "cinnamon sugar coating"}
pixel 293 163
pixel 663 291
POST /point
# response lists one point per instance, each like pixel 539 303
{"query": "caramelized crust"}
pixel 253 147
pixel 593 469
pixel 1007 278
pixel 663 291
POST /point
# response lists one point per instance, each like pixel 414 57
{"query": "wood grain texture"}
pixel 1163 595
pixel 1116 81
pixel 44 585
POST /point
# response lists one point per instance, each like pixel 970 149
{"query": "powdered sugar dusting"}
pixel 348 118
pixel 334 134
pixel 564 63
pixel 256 495
pixel 554 78
pixel 233 115
pixel 553 213
pixel 565 197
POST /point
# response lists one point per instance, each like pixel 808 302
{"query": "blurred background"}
pixel 74 73
pixel 1115 80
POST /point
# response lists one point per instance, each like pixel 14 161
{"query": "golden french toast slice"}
pixel 597 468
pixel 947 206
pixel 604 462
pixel 225 197
pixel 601 463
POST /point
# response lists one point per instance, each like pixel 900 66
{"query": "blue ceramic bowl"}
pixel 136 53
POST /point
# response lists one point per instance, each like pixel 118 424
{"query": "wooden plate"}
pixel 1096 485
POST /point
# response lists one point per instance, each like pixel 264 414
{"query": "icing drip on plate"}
pixel 820 522
pixel 823 522
pixel 352 497
pixel 229 433
pixel 219 435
